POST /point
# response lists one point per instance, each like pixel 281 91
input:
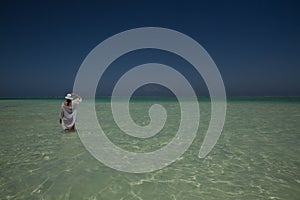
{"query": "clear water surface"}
pixel 256 157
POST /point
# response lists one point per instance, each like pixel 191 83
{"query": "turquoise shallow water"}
pixel 256 157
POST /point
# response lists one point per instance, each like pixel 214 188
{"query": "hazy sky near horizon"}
pixel 255 44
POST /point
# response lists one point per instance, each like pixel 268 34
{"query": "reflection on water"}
pixel 256 157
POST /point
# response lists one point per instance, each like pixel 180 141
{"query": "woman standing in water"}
pixel 68 112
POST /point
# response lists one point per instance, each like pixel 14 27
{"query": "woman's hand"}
pixel 76 95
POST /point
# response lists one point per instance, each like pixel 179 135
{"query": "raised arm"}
pixel 74 94
pixel 78 98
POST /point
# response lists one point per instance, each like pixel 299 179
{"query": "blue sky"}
pixel 255 44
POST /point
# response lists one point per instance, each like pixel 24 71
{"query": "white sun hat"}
pixel 69 96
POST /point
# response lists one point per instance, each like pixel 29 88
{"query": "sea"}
pixel 256 157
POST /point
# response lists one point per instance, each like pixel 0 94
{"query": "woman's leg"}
pixel 72 128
